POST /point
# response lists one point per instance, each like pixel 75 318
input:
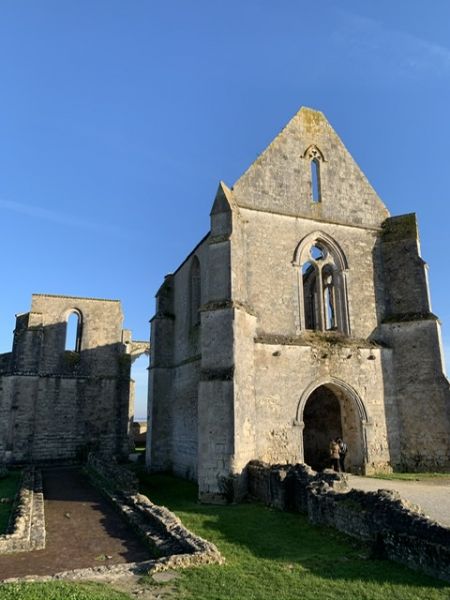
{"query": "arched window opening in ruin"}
pixel 195 292
pixel 330 413
pixel 323 293
pixel 316 160
pixel 328 298
pixel 309 277
pixel 138 398
pixel 315 180
pixel 73 332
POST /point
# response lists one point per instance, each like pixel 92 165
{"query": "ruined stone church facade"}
pixel 59 403
pixel 303 315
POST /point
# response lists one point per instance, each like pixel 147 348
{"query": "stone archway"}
pixel 329 410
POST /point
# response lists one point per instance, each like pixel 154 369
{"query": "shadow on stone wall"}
pixel 389 393
pixel 59 405
pixel 394 528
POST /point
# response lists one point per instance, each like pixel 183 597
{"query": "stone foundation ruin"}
pixel 393 527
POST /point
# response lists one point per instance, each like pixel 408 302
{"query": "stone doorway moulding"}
pixel 353 420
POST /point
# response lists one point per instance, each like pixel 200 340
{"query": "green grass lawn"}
pixel 8 489
pixel 269 555
pixel 411 476
pixel 58 590
pixel 276 555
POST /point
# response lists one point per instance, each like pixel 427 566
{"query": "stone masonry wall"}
pixel 271 277
pixel 280 402
pixel 422 394
pixel 395 528
pixel 172 439
pixel 263 355
pixel 57 404
pixel 279 181
pixel 422 390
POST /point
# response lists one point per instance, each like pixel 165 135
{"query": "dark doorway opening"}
pixel 331 412
pixel 322 419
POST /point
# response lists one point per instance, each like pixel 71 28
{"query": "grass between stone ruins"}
pixel 413 476
pixel 269 554
pixel 9 484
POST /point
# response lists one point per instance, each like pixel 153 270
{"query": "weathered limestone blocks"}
pixel 393 526
pixel 157 526
pixel 120 478
pixel 314 324
pixel 27 523
pixel 59 401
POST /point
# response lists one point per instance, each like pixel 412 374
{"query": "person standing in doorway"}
pixel 342 453
pixel 334 455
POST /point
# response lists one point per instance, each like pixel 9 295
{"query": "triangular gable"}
pixel 280 180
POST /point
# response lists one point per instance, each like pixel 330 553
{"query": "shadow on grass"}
pixel 246 532
pixel 9 486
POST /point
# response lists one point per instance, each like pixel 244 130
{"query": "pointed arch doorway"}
pixel 327 411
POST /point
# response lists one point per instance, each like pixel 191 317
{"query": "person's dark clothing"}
pixel 335 457
pixel 342 454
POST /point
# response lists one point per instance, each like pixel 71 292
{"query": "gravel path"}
pixel 433 496
pixel 82 530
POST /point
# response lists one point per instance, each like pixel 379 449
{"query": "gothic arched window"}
pixel 73 331
pixel 323 294
pixel 195 292
pixel 315 180
pixel 316 158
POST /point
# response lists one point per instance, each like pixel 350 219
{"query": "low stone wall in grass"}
pixel 395 528
pixel 118 477
pixel 164 533
pixel 26 530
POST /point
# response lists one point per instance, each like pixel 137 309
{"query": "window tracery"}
pixel 323 286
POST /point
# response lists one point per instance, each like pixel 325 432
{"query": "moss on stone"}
pixel 399 228
pixel 71 358
pixel 404 317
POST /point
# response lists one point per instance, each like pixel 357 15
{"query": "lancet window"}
pixel 315 157
pixel 323 296
pixel 73 331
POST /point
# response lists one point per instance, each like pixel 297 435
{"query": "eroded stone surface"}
pixel 58 403
pixel 161 529
pixel 395 527
pixel 303 305
pixel 27 524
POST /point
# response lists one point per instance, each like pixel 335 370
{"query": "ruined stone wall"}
pixel 394 528
pixel 57 404
pixel 271 276
pixel 422 394
pixel 102 322
pixel 279 181
pixel 286 361
pixel 400 386
pixel 280 400
pixel 257 356
pixel 422 390
pixel 172 439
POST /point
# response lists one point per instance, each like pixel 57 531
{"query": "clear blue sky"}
pixel 118 119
